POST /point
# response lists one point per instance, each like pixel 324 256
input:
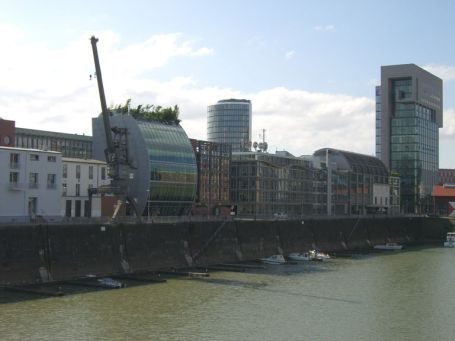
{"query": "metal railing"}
pixel 16 186
pixel 59 220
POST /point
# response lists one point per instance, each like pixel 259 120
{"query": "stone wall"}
pixel 41 253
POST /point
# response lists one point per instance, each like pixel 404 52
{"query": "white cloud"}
pixel 445 72
pixel 48 88
pixel 324 28
pixel 448 130
pixel 289 55
pixel 302 121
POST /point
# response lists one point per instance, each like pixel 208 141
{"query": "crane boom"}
pixel 105 112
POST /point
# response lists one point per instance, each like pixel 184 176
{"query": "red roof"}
pixel 441 191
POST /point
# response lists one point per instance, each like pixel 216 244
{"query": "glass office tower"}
pixel 408 118
pixel 229 121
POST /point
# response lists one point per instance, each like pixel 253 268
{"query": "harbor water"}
pixel 404 295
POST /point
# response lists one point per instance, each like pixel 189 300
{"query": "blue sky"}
pixel 308 66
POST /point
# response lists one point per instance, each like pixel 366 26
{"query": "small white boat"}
pixel 274 259
pixel 388 246
pixel 311 255
pixel 110 283
pixel 450 242
pixel 322 255
pixel 297 256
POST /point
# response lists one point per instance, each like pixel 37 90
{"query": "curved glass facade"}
pixel 229 121
pixel 173 171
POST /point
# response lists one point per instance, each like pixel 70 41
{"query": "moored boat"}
pixel 322 255
pixel 110 283
pixel 450 241
pixel 274 259
pixel 298 256
pixel 311 255
pixel 388 246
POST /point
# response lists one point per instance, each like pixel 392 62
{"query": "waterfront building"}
pixel 70 145
pixel 213 165
pixel 444 200
pixel 357 184
pixel 229 121
pixel 162 171
pixel 7 133
pixel 279 184
pixel 446 176
pixel 78 175
pixel 29 181
pixel 408 117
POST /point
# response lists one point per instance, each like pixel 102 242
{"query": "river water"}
pixel 405 295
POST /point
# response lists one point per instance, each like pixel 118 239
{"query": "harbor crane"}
pixel 116 151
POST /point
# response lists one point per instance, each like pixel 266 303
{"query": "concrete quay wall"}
pixel 42 253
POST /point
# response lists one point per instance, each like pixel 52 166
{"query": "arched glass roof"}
pixel 358 163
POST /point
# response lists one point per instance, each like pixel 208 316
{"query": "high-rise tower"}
pixel 229 121
pixel 408 118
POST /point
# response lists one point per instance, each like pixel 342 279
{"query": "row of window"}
pixel 78 172
pixel 33 180
pixel 14 159
pixel 68 148
pixel 77 189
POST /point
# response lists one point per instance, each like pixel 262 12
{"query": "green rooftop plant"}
pixel 148 112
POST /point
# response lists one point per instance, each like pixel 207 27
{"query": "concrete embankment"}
pixel 33 254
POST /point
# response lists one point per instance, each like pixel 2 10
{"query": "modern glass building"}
pixel 229 121
pixel 162 165
pixel 408 118
pixel 356 183
pixel 264 184
pixel 213 166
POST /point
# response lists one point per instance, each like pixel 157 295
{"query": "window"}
pixel 13 177
pixel 68 208
pixel 33 180
pixel 90 172
pixel 34 157
pixel 103 173
pixel 78 171
pixel 65 171
pixel 14 160
pixel 87 209
pixel 64 189
pixel 78 190
pixel 32 206
pixel 51 183
pixel 77 208
pixel 52 158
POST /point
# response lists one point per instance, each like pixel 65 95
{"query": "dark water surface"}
pixel 407 295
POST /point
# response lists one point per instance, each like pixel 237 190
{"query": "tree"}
pixel 149 112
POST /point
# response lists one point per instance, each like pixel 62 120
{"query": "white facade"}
pixel 381 196
pixel 29 181
pixel 78 175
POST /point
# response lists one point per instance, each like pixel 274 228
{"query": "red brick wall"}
pixel 7 133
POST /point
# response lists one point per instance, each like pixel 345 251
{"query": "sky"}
pixel 309 67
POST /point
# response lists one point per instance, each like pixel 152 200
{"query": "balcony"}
pixel 16 186
pixel 51 185
pixel 33 185
pixel 14 165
